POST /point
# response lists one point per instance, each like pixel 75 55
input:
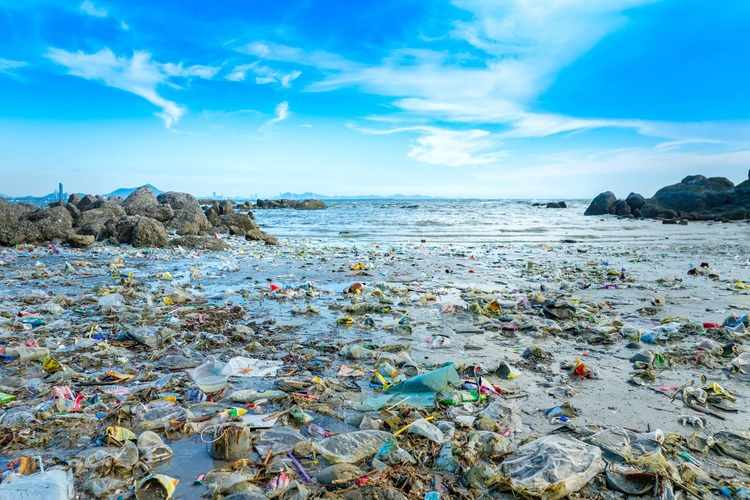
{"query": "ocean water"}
pixel 478 221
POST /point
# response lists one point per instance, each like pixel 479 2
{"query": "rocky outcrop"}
pixel 141 220
pixel 601 204
pixel 142 201
pixel 696 197
pixel 258 235
pixel 294 204
pixel 188 216
pixel 200 243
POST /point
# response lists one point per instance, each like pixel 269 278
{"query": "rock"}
pixel 140 201
pixel 601 204
pixel 55 223
pixel 235 224
pixel 34 225
pixel 621 207
pixel 694 194
pixel 88 202
pixel 226 207
pixel 295 204
pixel 74 199
pixel 556 205
pixel 23 231
pixel 13 212
pixel 212 213
pixel 79 240
pixel 149 233
pixel 188 216
pixel 200 243
pixel 258 235
pixel 178 200
pixel 339 472
pixel 141 231
pixel 100 222
pixel 635 201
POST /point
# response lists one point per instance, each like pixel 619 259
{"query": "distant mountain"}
pixel 315 196
pixel 125 192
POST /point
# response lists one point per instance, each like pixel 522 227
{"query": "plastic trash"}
pixel 391 453
pixel 251 367
pixel 52 484
pixel 552 467
pixel 155 487
pixel 352 447
pixel 212 376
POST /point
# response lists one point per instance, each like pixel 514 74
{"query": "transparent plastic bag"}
pixel 552 467
pixel 352 447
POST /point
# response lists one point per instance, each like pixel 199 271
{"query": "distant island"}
pixel 125 192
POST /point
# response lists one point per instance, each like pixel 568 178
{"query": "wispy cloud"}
pixel 455 148
pixel 263 75
pixel 523 45
pixel 7 66
pixel 281 113
pixel 318 58
pixel 88 7
pixel 139 75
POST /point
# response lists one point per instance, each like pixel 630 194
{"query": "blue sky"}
pixel 468 98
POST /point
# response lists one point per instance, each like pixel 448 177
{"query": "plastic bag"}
pixel 50 485
pixel 552 467
pixel 352 447
pixel 391 453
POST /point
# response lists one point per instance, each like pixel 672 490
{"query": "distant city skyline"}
pixel 461 98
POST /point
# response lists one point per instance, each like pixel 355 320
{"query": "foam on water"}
pixel 477 221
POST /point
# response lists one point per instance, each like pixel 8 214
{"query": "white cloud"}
pixel 282 113
pixel 455 148
pixel 124 26
pixel 637 169
pixel 283 53
pixel 7 66
pixel 263 75
pixel 88 7
pixel 138 75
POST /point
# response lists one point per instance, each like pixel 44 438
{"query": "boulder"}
pixel 295 204
pixel 602 204
pixel 74 199
pixel 258 235
pixel 200 243
pixel 11 213
pixel 558 204
pixel 23 231
pixel 695 193
pixel 621 207
pixel 635 201
pixel 149 233
pixel 35 225
pixel 142 201
pixel 188 216
pixel 89 202
pixel 55 223
pixel 100 222
pixel 178 200
pixel 226 207
pixel 235 224
pixel 79 240
pixel 141 231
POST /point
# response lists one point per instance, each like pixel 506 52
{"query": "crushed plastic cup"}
pixel 212 376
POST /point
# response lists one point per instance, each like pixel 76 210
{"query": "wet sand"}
pixel 613 279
